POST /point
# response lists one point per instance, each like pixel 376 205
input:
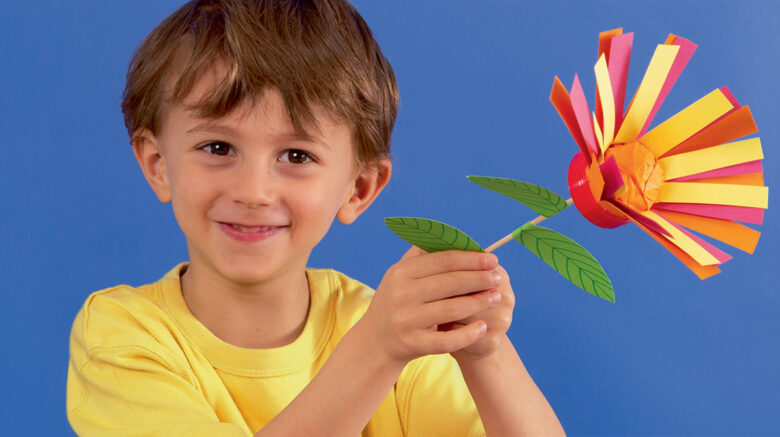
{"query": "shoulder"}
pixel 122 316
pixel 348 297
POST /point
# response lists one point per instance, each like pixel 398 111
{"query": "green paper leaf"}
pixel 541 200
pixel 430 235
pixel 568 258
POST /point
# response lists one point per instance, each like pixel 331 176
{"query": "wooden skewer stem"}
pixel 508 238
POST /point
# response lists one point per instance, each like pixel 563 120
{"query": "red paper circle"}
pixel 589 207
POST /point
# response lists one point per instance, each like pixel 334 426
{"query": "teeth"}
pixel 251 229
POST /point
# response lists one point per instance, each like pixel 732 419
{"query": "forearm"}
pixel 344 394
pixel 508 400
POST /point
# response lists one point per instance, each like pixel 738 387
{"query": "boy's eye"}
pixel 218 148
pixel 295 156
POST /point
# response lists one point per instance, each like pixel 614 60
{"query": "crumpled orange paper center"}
pixel 641 173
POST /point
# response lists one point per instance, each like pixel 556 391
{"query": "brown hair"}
pixel 315 52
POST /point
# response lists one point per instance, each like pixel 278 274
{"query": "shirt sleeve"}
pixel 134 390
pixel 434 399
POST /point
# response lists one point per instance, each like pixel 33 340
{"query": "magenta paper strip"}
pixel 582 112
pixel 617 65
pixel 732 170
pixel 613 181
pixel 680 61
pixel 714 251
pixel 733 100
pixel 725 212
pixel 644 220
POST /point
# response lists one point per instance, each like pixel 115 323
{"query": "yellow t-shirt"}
pixel 141 364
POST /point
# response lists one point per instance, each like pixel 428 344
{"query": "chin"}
pixel 249 271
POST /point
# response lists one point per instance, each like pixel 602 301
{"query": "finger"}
pixel 505 288
pixel 449 261
pixel 412 252
pixel 459 308
pixel 453 284
pixel 442 342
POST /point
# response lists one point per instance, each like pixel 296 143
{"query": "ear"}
pixel 367 185
pixel 152 163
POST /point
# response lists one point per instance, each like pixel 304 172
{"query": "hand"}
pixel 498 319
pixel 425 290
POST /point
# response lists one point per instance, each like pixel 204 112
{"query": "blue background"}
pixel 674 355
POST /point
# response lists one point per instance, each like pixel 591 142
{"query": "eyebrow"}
pixel 227 130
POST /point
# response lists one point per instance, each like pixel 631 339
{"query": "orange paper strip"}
pixel 559 97
pixel 754 179
pixel 703 272
pixel 727 231
pixel 689 245
pixel 736 124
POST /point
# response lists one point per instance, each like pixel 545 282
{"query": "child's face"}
pixel 251 197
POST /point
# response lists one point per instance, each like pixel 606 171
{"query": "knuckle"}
pixel 397 270
pixel 504 321
pixel 509 298
pixel 493 342
pixel 487 279
pixel 403 322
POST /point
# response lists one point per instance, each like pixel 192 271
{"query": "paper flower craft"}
pixel 686 174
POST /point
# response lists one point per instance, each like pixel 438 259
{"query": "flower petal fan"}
pixel 689 173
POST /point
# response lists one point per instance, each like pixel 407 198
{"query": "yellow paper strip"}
pixel 687 122
pixel 647 94
pixel 703 272
pixel 684 242
pixel 607 99
pixel 711 158
pixel 599 135
pixel 714 194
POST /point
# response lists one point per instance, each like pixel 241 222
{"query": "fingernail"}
pixel 496 278
pixel 482 328
pixel 495 297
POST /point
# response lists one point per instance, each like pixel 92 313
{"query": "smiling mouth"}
pixel 250 233
pixel 252 228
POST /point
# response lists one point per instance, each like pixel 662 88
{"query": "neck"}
pixel 260 315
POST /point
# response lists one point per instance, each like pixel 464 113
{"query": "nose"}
pixel 254 184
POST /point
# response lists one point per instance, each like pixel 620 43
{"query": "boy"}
pixel 261 121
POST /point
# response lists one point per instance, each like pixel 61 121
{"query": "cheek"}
pixel 192 192
pixel 318 201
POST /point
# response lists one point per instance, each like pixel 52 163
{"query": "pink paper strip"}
pixel 733 100
pixel 613 181
pixel 725 212
pixel 582 112
pixel 714 251
pixel 732 170
pixel 643 220
pixel 680 61
pixel 617 65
